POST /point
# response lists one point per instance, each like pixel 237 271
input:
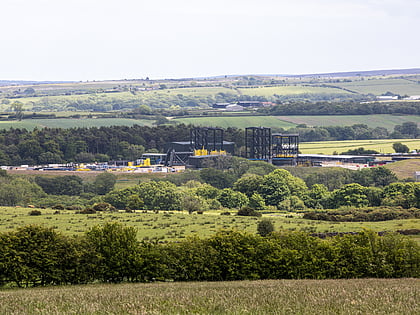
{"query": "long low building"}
pixel 355 159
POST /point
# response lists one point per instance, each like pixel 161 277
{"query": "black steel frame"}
pixel 258 143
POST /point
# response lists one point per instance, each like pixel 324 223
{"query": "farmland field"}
pixel 381 86
pixel 176 225
pixel 329 147
pixel 238 122
pixel 289 90
pixel 385 121
pixel 286 122
pixel 354 296
pixel 30 124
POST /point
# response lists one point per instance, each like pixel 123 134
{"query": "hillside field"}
pixel 373 121
pixel 353 296
pixel 287 122
pixel 329 147
pixel 238 122
pixel 176 225
pixel 31 124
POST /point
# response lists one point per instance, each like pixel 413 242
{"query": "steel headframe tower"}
pixel 210 139
pixel 258 143
pixel 285 149
pixel 285 145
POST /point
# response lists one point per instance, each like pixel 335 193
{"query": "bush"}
pixel 35 212
pixel 103 206
pixel 86 211
pixel 247 211
pixel 265 227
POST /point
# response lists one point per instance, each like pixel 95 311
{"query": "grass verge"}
pixel 362 296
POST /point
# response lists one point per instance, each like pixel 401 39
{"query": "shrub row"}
pixel 35 255
pixel 362 214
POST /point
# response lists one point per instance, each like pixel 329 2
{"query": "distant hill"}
pixel 364 73
pixel 20 82
pixel 333 74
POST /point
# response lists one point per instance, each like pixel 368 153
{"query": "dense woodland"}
pixel 55 145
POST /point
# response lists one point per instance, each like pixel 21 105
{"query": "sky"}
pixel 83 40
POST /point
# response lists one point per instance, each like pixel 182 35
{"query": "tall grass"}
pixel 363 296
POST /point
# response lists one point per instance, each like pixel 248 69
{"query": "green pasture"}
pixel 406 168
pixel 373 121
pixel 237 122
pixel 30 124
pixel 289 90
pixel 176 225
pixel 381 86
pixel 329 147
pixel 344 296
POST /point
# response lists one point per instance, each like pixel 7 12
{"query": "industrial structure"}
pixel 205 144
pixel 285 149
pixel 258 143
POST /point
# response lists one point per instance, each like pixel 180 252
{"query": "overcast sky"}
pixel 126 39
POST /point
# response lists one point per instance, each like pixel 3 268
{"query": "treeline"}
pixel 44 191
pixel 354 132
pixel 343 108
pixel 248 184
pixel 275 190
pixel 39 256
pixel 55 145
pixel 363 214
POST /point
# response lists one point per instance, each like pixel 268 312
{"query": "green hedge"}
pixel 35 255
pixel 363 214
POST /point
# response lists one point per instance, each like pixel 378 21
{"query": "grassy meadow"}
pixel 353 296
pixel 329 147
pixel 381 86
pixel 31 124
pixel 238 122
pixel 405 169
pixel 373 121
pixel 176 225
pixel 289 90
pixel 286 122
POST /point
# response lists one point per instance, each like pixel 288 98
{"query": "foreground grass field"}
pixel 176 225
pixel 329 147
pixel 362 296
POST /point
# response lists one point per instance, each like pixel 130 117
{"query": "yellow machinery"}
pixel 202 152
pixel 82 168
pixel 143 163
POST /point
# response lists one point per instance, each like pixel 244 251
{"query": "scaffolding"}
pixel 285 148
pixel 206 140
pixel 258 143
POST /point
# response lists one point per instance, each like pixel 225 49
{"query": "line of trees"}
pixel 257 185
pixel 343 108
pixel 277 189
pixel 55 145
pixel 37 256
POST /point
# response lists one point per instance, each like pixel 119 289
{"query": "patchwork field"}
pixel 289 90
pixel 237 122
pixel 31 124
pixel 373 121
pixel 176 225
pixel 381 86
pixel 355 296
pixel 286 122
pixel 329 147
